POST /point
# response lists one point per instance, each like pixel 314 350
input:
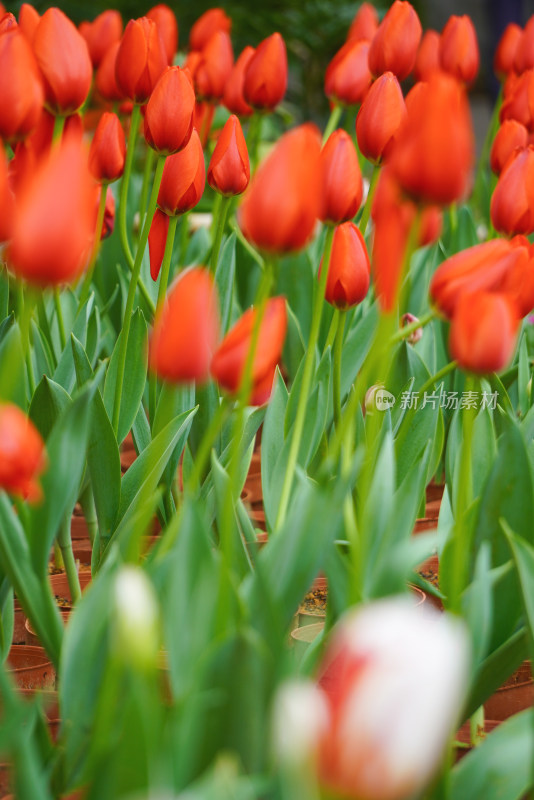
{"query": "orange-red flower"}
pixel 512 135
pixel 186 331
pixel 342 179
pixel 184 178
pixel 265 80
pixel 233 97
pixel 157 240
pixel 503 61
pixel 7 204
pixel 280 208
pixel 483 332
pixel 394 45
pixel 230 358
pixel 380 117
pixel 349 270
pixel 364 24
pixel 165 19
pixel 524 54
pixel 209 23
pixel 229 167
pixel 54 220
pixel 427 60
pixel 108 149
pixel 105 80
pixel 22 454
pixel 214 66
pixel 21 89
pixel 8 22
pixel 63 58
pixel 433 153
pixel 102 33
pixel 347 76
pixel 512 202
pixel 459 54
pixel 518 282
pixel 169 112
pixel 141 59
pixel 518 102
pixel 108 223
pixel 28 21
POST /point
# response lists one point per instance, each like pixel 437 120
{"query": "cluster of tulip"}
pixel 254 332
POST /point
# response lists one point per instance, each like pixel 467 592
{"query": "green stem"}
pixel 330 338
pixel 246 244
pixel 147 173
pixel 27 302
pixel 219 230
pixel 60 320
pixel 476 727
pixel 65 545
pixel 438 376
pixel 307 373
pixel 123 201
pixel 333 121
pixel 131 291
pixel 87 501
pixel 338 351
pixel 404 332
pixel 184 238
pixel 366 213
pixel 205 446
pixel 86 285
pixel 59 124
pixel 253 139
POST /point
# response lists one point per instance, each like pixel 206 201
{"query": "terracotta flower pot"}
pixel 19 625
pixel 60 587
pixel 257 517
pixel 30 667
pixel 515 695
pixel 32 637
pixel 464 737
pixel 78 528
pixel 424 524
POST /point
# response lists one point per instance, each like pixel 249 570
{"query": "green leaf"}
pixel 12 371
pixel 43 356
pixel 221 483
pixel 224 279
pixel 65 374
pixel 523 554
pixel 272 443
pixel 48 402
pixel 477 605
pixel 523 377
pixel 133 384
pixel 356 346
pixel 4 293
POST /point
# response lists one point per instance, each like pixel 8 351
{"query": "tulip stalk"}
pixel 131 291
pixel 366 213
pixel 147 172
pixel 333 120
pixel 254 137
pixel 306 381
pixel 220 223
pixel 123 201
pixel 338 352
pixel 60 320
pixel 65 545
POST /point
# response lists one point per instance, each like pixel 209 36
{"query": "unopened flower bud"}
pixel 300 720
pixel 416 335
pixel 136 618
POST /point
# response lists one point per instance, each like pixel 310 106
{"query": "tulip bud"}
pixel 417 334
pixel 157 241
pixel 141 59
pixel 518 282
pixel 102 33
pixel 108 149
pixel 524 56
pixel 7 202
pixel 483 332
pixel 22 454
pixel 136 618
pixel 54 221
pixel 394 677
pixel 213 67
pixel 229 168
pixel 105 80
pixel 349 269
pixel 169 112
pixel 28 21
pixel 8 22
pixel 364 25
pixel 265 80
pixel 209 23
pixel 21 88
pixel 233 97
pixel 511 136
pixel 433 153
pixel 380 117
pixel 108 222
pixel 394 45
pixel 459 55
pixel 186 330
pixel 342 179
pixel 427 60
pixel 231 356
pixel 280 209
pixel 184 178
pixel 165 19
pixel 518 102
pixel 512 202
pixel 347 76
pixel 503 62
pixel 63 58
pixel 299 721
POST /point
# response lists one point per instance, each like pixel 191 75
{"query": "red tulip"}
pixel 21 89
pixel 265 80
pixel 280 209
pixel 108 223
pixel 229 168
pixel 7 203
pixel 394 45
pixel 141 59
pixel 380 117
pixel 518 102
pixel 349 269
pixel 209 23
pixel 512 202
pixel 108 149
pixel 342 179
pixel 503 62
pixel 63 57
pixel 28 21
pixel 54 219
pixel 512 135
pixel 105 80
pixel 213 67
pixel 231 356
pixel 101 34
pixel 165 19
pixel 518 282
pixel 22 454
pixel 430 225
pixel 365 23
pixel 483 332
pixel 427 60
pixel 186 331
pixel 524 55
pixel 203 119
pixel 169 112
pixel 347 76
pixel 433 152
pixel 233 97
pixel 157 241
pixel 459 55
pixel 184 178
pixel 8 22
